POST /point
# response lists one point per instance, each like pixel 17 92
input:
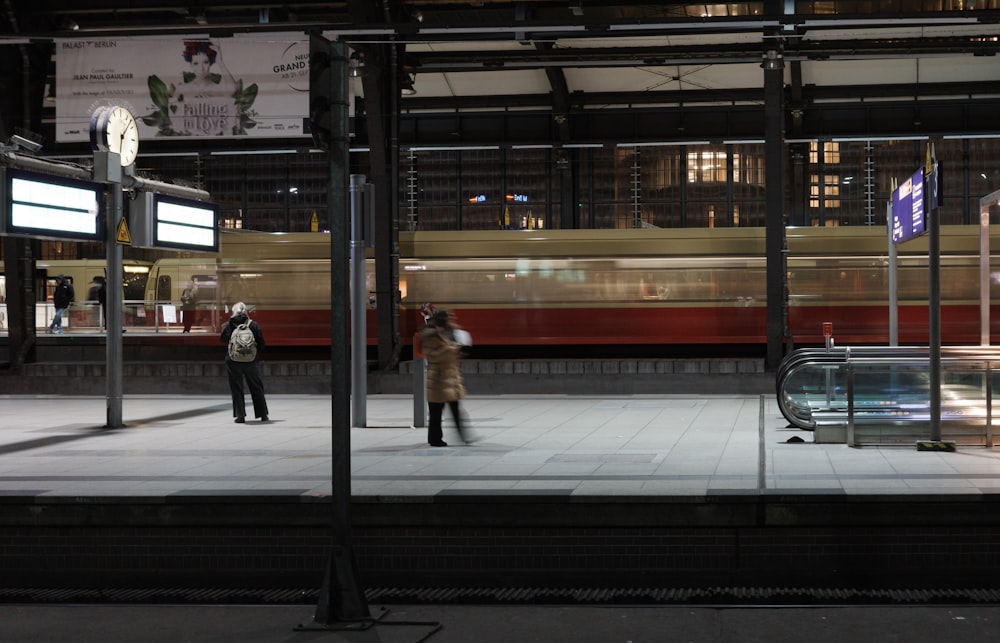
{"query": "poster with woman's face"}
pixel 186 86
pixel 205 101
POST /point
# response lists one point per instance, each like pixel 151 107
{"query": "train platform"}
pixel 636 494
pixel 641 445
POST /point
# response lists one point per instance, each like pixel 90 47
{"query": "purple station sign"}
pixel 908 209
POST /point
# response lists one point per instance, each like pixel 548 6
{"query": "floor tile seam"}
pixel 647 426
pixel 722 461
pixel 459 475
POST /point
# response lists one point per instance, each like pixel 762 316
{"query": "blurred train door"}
pixel 208 300
pixel 163 290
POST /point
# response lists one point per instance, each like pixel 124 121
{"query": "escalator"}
pixel 884 392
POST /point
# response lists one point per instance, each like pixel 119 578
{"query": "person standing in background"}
pixel 95 288
pixel 248 370
pixel 444 375
pixel 62 297
pixel 189 305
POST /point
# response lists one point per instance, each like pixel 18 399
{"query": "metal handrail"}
pixel 154 308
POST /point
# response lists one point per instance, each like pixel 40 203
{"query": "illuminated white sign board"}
pixel 161 221
pixel 47 206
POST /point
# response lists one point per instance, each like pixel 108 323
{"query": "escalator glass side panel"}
pixel 890 381
pixel 811 387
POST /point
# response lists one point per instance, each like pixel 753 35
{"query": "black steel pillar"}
pixel 383 66
pixel 19 266
pixel 932 216
pixel 341 599
pixel 114 294
pixel 775 246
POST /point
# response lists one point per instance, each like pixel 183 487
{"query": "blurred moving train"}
pixel 596 287
pixel 604 287
pixel 83 274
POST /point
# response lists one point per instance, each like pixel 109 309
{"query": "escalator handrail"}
pixel 813 357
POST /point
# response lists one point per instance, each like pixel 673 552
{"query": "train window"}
pixel 134 282
pixel 163 288
pixel 208 287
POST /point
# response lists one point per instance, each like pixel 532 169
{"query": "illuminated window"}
pixel 831 177
pixel 832 191
pixel 707 167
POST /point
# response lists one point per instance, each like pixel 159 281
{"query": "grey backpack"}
pixel 242 344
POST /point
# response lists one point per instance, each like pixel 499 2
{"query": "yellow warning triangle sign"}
pixel 123 237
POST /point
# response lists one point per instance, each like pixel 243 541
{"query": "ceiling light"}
pixel 773 60
pixel 356 65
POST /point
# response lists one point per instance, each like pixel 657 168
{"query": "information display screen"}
pixel 908 209
pixel 162 221
pixel 184 223
pixel 48 206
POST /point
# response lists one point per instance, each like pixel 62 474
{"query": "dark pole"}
pixel 774 134
pixel 341 598
pixel 113 294
pixel 934 294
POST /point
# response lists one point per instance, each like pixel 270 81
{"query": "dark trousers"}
pixel 434 433
pixel 250 371
pixel 188 317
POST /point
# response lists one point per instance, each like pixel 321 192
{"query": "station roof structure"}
pixel 851 69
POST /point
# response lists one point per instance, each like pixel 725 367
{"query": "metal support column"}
pixel 107 169
pixel 341 598
pixel 893 278
pixel 850 405
pixel 113 294
pixel 359 299
pixel 984 265
pixel 774 150
pixel 934 296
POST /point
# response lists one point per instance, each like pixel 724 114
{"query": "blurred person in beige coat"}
pixel 444 374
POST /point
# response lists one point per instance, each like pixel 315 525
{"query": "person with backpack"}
pixel 245 340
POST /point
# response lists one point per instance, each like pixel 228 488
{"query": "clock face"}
pixel 114 129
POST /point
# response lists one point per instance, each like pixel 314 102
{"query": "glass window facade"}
pixel 845 183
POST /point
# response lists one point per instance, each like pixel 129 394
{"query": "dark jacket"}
pixel 189 299
pixel 258 334
pixel 63 295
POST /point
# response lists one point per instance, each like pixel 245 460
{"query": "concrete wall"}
pixel 482 377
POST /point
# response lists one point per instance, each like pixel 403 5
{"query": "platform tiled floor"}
pixel 551 444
